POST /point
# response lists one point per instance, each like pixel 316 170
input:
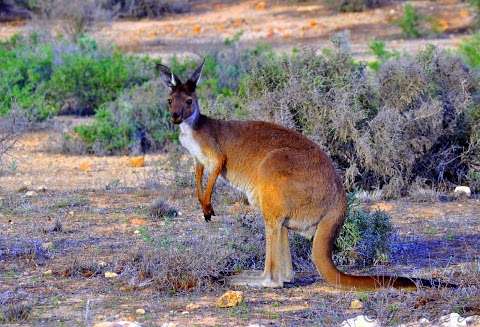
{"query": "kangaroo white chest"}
pixel 188 142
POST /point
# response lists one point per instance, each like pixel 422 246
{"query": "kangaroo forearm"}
pixel 199 169
pixel 212 179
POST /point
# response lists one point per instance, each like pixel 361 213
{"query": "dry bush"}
pixel 415 118
pixel 15 312
pixel 355 5
pixel 71 18
pixel 161 209
pixel 13 9
pixel 198 262
pixel 11 127
pixel 148 8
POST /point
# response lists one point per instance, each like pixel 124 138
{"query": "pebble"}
pixel 110 274
pixel 193 306
pixel 140 311
pixel 463 191
pixel 120 323
pixel 29 194
pixel 230 299
pixel 356 304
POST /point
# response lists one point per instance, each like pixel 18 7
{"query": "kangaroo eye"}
pixel 189 101
pixel 169 101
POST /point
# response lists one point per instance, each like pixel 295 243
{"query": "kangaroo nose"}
pixel 175 115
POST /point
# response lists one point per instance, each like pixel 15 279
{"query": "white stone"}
pixel 463 190
pixel 120 323
pixel 360 321
pixel 452 320
pixel 169 324
pixel 110 274
pixel 140 311
pixel 30 194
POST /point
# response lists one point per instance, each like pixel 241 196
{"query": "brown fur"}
pixel 287 176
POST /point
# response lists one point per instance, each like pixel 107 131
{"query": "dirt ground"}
pixel 101 203
pixel 101 208
pixel 279 23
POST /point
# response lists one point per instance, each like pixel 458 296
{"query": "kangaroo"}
pixel 283 173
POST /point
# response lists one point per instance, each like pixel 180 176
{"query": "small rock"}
pixel 41 188
pixel 29 194
pixel 137 221
pixel 22 189
pixel 102 264
pixel 462 191
pixel 193 306
pixel 360 321
pixel 117 324
pixel 47 245
pixel 71 213
pixel 110 274
pixel 85 166
pixel 137 162
pixel 140 311
pixel 47 272
pixel 136 231
pixel 424 322
pixel 356 304
pixel 230 299
pixel 261 5
pixel 169 324
pixel 452 320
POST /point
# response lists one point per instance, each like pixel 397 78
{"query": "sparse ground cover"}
pixel 86 238
pixel 57 243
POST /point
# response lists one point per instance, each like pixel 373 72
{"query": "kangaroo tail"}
pixel 322 257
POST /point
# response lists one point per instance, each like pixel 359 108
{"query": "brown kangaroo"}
pixel 287 176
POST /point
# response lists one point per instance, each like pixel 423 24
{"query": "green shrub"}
pixel 26 66
pixel 93 81
pixel 470 49
pixel 136 121
pixel 379 50
pixel 45 76
pixel 475 4
pixel 365 236
pixel 410 22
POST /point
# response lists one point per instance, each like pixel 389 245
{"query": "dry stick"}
pixel 87 313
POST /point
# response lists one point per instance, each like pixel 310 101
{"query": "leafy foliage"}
pixel 365 236
pixel 410 22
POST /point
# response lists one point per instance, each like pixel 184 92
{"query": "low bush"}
pixel 45 76
pixel 365 237
pixel 475 4
pixel 148 8
pixel 354 5
pixel 410 22
pixel 470 49
pixel 410 118
pixel 69 18
pixel 15 312
pixel 134 122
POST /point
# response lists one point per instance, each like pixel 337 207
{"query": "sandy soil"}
pixel 285 26
pixel 100 217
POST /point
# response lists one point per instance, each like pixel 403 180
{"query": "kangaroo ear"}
pixel 169 79
pixel 195 78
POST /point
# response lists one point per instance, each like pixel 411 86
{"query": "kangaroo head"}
pixel 182 102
